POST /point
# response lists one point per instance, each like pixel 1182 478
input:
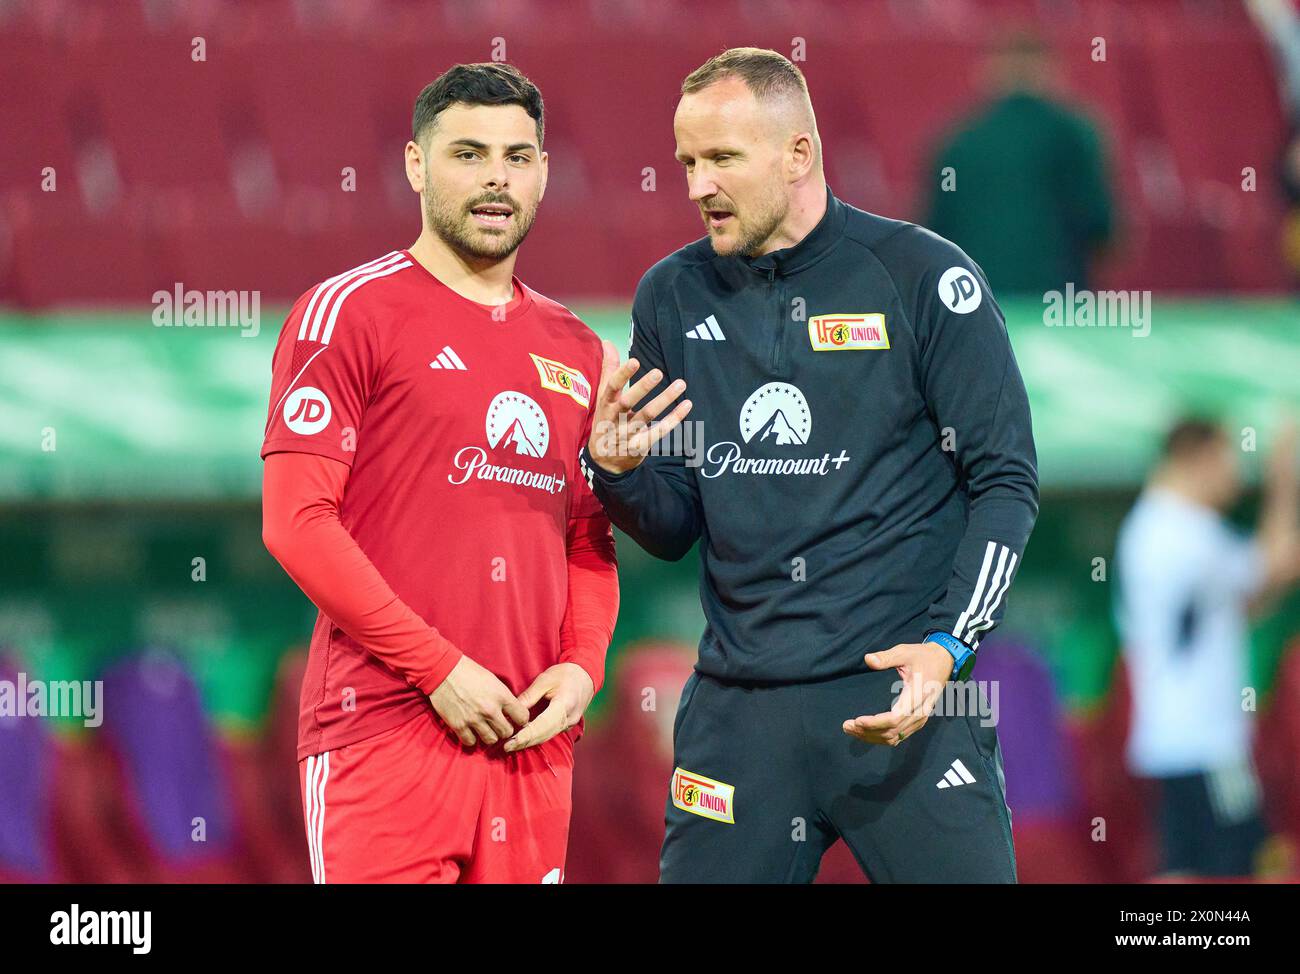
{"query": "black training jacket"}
pixel 858 465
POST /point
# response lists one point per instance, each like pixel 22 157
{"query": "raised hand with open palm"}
pixel 621 434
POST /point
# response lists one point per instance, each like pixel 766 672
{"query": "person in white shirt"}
pixel 1187 583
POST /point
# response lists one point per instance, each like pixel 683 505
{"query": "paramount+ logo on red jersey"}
pixel 704 796
pixel 516 428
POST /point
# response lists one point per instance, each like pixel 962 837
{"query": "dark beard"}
pixel 451 222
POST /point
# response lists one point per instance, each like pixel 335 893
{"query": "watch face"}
pixel 966 667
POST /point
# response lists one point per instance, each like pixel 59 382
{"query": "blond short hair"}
pixel 767 74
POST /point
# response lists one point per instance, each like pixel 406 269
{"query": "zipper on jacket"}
pixel 775 292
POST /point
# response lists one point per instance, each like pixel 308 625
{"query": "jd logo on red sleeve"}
pixel 307 411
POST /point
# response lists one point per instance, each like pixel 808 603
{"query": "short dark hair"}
pixel 485 83
pixel 1191 434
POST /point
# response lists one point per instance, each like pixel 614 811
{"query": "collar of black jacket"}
pixel 811 248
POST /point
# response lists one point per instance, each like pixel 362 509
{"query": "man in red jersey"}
pixel 421 486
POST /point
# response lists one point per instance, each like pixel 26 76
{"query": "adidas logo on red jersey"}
pixel 448 359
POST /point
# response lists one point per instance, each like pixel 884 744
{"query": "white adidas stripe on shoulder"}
pixel 382 271
pixel 322 298
pixel 325 284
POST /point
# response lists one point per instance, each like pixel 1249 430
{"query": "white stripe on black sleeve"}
pixel 979 589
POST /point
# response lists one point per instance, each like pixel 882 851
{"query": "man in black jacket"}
pixel 862 478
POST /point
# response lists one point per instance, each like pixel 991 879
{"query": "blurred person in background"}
pixel 1279 22
pixel 1022 186
pixel 1187 581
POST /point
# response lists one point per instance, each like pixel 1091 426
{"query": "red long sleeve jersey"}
pixel 462 429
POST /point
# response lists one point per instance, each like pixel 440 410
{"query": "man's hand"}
pixel 621 435
pixel 477 706
pixel 569 688
pixel 925 668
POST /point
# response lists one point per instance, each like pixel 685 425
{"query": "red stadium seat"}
pixel 228 170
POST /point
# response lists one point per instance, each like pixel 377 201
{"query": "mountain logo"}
pixel 515 423
pixel 776 413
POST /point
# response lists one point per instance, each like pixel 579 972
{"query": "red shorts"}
pixel 412 805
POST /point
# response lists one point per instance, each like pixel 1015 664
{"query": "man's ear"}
pixel 803 155
pixel 543 159
pixel 415 166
